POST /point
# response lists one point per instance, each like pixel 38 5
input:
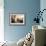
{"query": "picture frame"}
pixel 17 19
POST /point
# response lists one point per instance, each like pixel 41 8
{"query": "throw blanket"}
pixel 28 39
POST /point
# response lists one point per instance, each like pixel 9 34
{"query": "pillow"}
pixel 20 42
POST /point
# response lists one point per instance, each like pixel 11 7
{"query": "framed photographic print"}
pixel 17 19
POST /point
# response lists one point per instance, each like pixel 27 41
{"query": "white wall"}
pixel 1 20
pixel 43 6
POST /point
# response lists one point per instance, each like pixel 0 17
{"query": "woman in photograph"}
pixel 12 19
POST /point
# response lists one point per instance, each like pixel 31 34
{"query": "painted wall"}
pixel 29 8
pixel 43 6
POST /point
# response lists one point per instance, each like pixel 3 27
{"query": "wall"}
pixel 1 21
pixel 43 6
pixel 29 8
